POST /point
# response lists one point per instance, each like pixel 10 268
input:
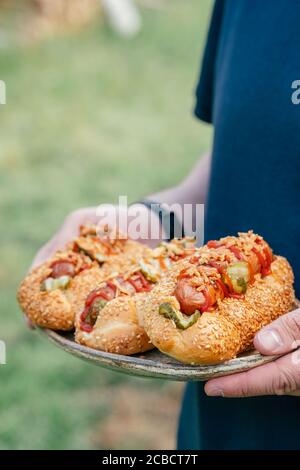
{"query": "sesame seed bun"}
pixel 118 328
pixel 56 309
pixel 230 328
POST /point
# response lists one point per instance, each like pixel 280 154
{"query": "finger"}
pixel 67 231
pixel 44 253
pixel 276 378
pixel 70 227
pixel 281 336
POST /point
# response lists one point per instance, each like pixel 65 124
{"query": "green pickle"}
pixel 149 272
pixel 99 304
pixel 95 309
pixel 239 275
pixel 47 284
pixel 59 283
pixel 181 321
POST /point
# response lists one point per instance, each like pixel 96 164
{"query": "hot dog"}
pixel 105 245
pixel 110 319
pixel 51 294
pixel 208 308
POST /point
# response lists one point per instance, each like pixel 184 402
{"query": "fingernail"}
pixel 270 340
pixel 215 392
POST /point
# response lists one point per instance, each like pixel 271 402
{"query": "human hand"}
pixel 281 377
pixel 115 216
pixel 66 232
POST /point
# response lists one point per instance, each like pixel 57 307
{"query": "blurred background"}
pixel 98 104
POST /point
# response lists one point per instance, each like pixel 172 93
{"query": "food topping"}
pixel 63 269
pixel 149 271
pixel 182 321
pixel 139 282
pixel 175 250
pixel 129 284
pixel 55 283
pixel 100 258
pixel 164 255
pixel 239 275
pixel 99 242
pixel 222 268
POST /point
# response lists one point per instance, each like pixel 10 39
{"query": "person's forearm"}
pixel 191 190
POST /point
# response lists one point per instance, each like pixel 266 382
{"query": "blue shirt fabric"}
pixel 251 58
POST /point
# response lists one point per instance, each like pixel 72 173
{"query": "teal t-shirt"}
pixel 251 60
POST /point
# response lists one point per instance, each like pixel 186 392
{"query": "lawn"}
pixel 89 116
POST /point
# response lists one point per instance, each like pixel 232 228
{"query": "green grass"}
pixel 88 117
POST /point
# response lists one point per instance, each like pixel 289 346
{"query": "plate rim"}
pixel 139 366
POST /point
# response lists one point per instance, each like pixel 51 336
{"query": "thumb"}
pixel 281 336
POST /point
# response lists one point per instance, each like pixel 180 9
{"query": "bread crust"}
pixel 56 309
pixel 118 328
pixel 230 328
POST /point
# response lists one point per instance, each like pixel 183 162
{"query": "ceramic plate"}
pixel 154 363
